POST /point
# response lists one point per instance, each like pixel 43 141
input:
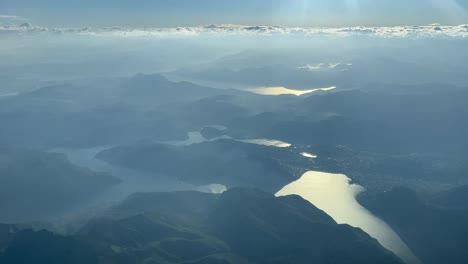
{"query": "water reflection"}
pixel 284 90
pixel 334 194
pixel 267 142
pixel 212 188
pixel 308 155
pixel 196 137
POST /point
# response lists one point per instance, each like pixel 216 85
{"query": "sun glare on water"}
pixel 285 91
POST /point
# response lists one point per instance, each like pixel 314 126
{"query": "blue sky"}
pixel 167 13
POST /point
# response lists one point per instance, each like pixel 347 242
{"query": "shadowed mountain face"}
pixel 227 162
pixel 241 223
pixel 452 199
pixel 433 227
pixel 238 226
pixel 36 185
pixel 28 246
pixel 288 230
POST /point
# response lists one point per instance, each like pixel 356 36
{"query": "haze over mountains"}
pixel 158 146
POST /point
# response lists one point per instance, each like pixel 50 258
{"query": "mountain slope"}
pixel 435 234
pixel 35 184
pixel 240 225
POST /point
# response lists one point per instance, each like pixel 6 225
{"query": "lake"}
pixel 335 195
pixel 284 90
pixel 195 137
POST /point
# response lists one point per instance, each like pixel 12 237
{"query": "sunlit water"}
pixel 284 90
pixel 334 194
pixel 308 155
pixel 195 137
pixel 266 142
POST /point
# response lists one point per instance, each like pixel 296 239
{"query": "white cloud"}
pixel 308 67
pixel 20 25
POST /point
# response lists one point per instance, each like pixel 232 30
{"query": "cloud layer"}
pixel 14 24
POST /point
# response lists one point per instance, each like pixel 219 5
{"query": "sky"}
pixel 172 13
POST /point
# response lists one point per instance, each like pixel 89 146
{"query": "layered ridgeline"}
pixel 238 226
pixel 224 161
pixel 111 111
pixel 434 227
pixel 37 185
pixel 382 119
pixel 380 138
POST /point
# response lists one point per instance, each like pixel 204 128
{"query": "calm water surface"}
pixel 334 194
pixel 284 90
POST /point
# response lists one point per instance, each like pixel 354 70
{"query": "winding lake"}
pixel 334 194
pixel 195 137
